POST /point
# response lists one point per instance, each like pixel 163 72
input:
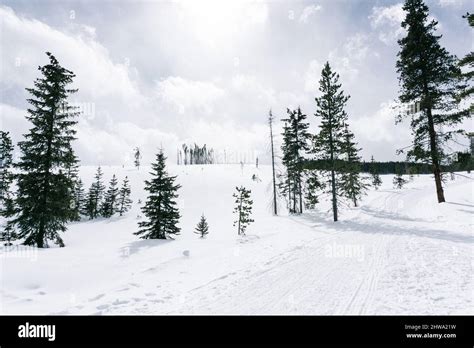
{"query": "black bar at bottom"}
pixel 452 331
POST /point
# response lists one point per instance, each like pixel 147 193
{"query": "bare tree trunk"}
pixel 300 193
pixel 333 175
pixel 435 157
pixel 270 122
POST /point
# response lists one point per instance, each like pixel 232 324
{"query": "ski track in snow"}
pixel 404 254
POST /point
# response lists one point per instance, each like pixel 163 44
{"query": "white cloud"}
pixel 381 124
pixel 215 22
pixel 387 20
pixel 309 11
pixel 393 15
pixel 313 75
pixel 345 61
pixel 122 116
pixel 187 95
pixel 27 39
pixel 378 133
pixel 454 3
pixel 13 120
pixel 166 73
pixel 114 145
pixel 357 47
pixel 248 86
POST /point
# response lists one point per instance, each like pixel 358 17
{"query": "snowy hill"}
pixel 398 253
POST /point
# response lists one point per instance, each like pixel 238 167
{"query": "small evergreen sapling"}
pixel 202 227
pixel 399 181
pixel 376 181
pixel 243 209
pixel 124 201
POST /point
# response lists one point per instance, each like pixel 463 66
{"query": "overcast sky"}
pixel 160 73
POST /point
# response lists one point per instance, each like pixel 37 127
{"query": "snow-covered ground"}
pixel 398 253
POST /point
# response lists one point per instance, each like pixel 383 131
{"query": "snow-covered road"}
pixel 376 262
pixel 398 253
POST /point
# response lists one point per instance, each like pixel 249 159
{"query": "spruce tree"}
pixel 160 208
pixel 7 208
pixel 89 203
pixel 124 202
pixel 96 194
pixel 428 76
pixel 109 204
pixel 328 144
pixel 243 209
pixel 44 187
pixel 78 200
pixel 376 181
pixel 202 227
pixel 351 184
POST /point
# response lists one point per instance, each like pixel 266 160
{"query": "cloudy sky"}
pixel 160 73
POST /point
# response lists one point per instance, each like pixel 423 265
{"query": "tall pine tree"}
pixel 44 187
pixel 428 75
pixel 162 215
pixel 328 144
pixel 295 144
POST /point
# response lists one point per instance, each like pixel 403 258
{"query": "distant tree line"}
pixel 465 162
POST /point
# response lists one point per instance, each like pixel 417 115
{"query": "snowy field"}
pixel 398 253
